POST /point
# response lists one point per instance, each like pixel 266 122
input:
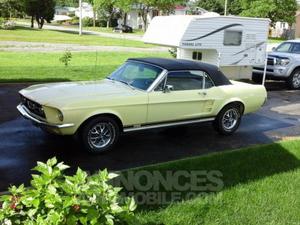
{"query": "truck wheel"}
pixel 100 134
pixel 257 78
pixel 228 120
pixel 293 81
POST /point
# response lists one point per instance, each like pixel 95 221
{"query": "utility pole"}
pixel 80 17
pixel 225 8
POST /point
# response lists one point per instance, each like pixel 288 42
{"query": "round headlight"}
pixel 60 115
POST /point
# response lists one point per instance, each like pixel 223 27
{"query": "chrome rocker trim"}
pixel 146 127
pixel 24 112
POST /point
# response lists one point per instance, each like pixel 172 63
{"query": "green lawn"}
pixel 30 67
pixel 261 186
pixel 275 40
pixel 36 35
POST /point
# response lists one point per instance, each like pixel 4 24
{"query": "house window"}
pixel 197 56
pixel 233 38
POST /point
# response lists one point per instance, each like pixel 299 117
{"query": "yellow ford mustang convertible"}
pixel 144 93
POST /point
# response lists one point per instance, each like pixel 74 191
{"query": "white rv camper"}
pixel 235 44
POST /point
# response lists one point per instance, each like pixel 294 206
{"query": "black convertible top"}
pixel 181 64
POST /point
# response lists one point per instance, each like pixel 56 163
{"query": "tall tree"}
pixel 40 10
pixel 9 8
pixel 70 3
pixel 212 5
pixel 276 10
pixel 234 6
pixel 105 9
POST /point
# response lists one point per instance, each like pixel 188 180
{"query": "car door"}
pixel 182 95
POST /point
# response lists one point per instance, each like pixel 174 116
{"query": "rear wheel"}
pixel 228 120
pixel 100 134
pixel 294 80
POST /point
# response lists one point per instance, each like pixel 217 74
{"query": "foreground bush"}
pixel 7 25
pixel 55 198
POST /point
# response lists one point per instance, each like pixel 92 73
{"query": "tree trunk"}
pixel 94 18
pixel 40 22
pixel 32 22
pixel 125 19
pixel 108 22
pixel 144 15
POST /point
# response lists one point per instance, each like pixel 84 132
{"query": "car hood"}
pixel 70 92
pixel 280 54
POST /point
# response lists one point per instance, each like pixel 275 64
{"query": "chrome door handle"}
pixel 202 93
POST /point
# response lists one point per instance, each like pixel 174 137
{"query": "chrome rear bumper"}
pixel 27 115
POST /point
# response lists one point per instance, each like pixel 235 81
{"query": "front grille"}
pixel 33 107
pixel 271 61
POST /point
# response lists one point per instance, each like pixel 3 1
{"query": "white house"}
pixel 63 13
pixel 134 19
pixel 87 11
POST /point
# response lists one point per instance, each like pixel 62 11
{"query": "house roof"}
pixel 181 64
pixel 180 7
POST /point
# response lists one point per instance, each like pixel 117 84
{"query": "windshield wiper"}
pixel 110 78
pixel 127 83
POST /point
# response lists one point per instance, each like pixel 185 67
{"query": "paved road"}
pixel 22 144
pixel 21 46
pixel 134 37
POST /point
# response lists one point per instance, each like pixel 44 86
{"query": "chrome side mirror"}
pixel 168 88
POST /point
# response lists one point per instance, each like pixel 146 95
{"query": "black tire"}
pixel 293 80
pixel 219 123
pixel 102 130
pixel 257 78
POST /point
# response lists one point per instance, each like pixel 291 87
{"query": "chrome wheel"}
pixel 296 80
pixel 230 119
pixel 101 135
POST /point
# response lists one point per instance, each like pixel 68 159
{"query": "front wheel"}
pixel 228 120
pixel 100 134
pixel 294 80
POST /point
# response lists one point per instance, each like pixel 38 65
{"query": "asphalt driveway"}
pixel 22 144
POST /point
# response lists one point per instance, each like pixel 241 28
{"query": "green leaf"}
pixel 109 219
pixel 51 162
pixel 61 166
pixel 112 175
pixel 132 204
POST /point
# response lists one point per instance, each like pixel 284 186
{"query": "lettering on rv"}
pixel 190 44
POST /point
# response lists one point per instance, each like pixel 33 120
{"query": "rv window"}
pixel 233 38
pixel 197 56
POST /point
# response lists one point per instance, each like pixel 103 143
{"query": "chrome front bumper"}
pixel 27 115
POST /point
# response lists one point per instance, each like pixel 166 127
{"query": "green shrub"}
pixel 55 198
pixel 173 52
pixel 66 58
pixel 87 22
pixel 74 20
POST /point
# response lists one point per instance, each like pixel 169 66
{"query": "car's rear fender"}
pixel 251 96
pixel 236 101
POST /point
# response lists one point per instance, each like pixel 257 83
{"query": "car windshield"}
pixel 135 74
pixel 289 47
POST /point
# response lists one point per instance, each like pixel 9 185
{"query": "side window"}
pixel 187 80
pixel 233 38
